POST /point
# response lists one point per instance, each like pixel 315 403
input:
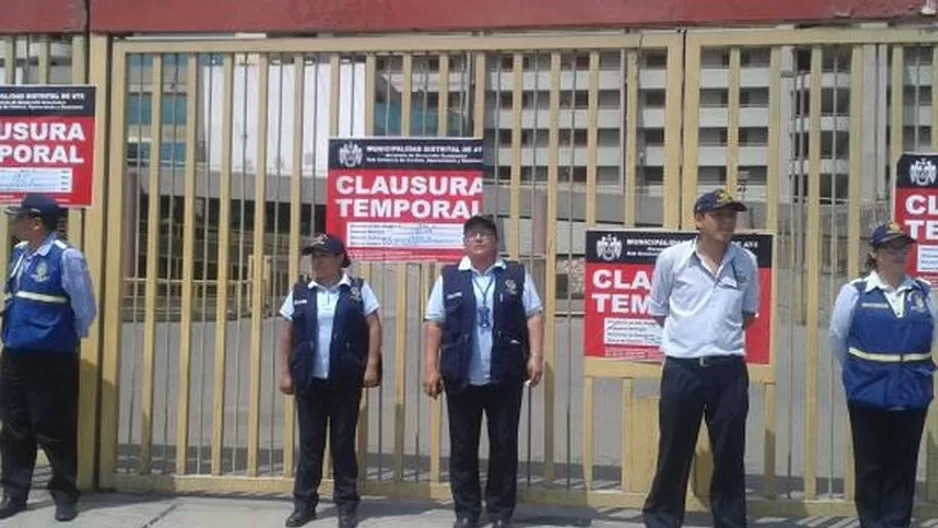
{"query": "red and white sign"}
pixel 403 199
pixel 619 269
pixel 47 142
pixel 916 209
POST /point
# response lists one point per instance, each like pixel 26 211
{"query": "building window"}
pixel 171 153
pixel 140 109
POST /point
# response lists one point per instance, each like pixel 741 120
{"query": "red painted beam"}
pixel 42 16
pixel 342 16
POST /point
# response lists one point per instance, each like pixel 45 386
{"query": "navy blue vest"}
pixel 510 347
pixel 875 330
pixel 348 354
pixel 37 312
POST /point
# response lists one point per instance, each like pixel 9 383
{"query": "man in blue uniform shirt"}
pixel 483 339
pixel 704 293
pixel 48 308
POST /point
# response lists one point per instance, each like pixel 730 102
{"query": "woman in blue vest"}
pixel 881 331
pixel 328 352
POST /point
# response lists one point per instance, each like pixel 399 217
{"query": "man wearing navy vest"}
pixel 484 334
pixel 48 307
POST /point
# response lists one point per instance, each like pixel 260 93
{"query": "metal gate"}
pixel 604 129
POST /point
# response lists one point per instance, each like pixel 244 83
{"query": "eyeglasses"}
pixel 480 234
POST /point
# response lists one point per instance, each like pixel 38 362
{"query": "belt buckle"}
pixel 703 361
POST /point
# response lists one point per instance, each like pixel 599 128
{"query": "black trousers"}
pixel 39 408
pixel 885 445
pixel 501 404
pixel 332 404
pixel 717 390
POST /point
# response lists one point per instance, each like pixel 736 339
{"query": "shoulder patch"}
pixel 59 244
pixel 21 244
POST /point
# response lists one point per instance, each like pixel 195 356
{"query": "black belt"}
pixel 708 361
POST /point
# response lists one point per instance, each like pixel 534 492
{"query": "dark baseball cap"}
pixel 37 205
pixel 480 221
pixel 329 245
pixel 717 199
pixel 885 233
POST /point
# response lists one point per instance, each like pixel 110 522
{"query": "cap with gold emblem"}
pixel 888 232
pixel 717 199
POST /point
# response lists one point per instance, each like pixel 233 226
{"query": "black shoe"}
pixel 65 511
pixel 10 507
pixel 501 523
pixel 300 516
pixel 348 519
pixel 466 522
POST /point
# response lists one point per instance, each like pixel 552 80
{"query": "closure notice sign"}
pixel 47 142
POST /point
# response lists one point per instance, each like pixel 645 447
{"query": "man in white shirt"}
pixel 704 293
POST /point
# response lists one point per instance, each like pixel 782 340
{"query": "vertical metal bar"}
pixel 296 205
pixel 88 417
pixel 550 294
pixel 400 336
pixel 436 406
pixel 10 68
pixel 732 126
pixel 152 263
pixel 896 121
pixel 115 153
pixel 931 445
pixel 571 193
pixel 79 76
pixel 224 245
pixel 43 59
pixel 672 135
pixel 517 92
pixel 366 271
pixel 691 128
pixel 813 269
pixel 631 144
pixel 833 266
pixel 857 121
pixel 592 136
pixel 188 267
pixel 257 276
pixel 771 223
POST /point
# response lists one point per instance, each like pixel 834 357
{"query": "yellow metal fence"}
pixel 215 154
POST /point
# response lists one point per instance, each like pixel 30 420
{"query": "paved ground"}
pixel 152 511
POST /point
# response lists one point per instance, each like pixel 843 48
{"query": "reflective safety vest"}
pixel 37 312
pixel 348 353
pixel 510 346
pixel 889 363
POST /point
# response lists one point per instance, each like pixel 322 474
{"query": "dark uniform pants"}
pixel 335 405
pixel 885 445
pixel 717 390
pixel 502 406
pixel 39 407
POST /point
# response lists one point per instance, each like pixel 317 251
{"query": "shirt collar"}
pixel 690 252
pixel 874 281
pixel 344 281
pixel 466 265
pixel 43 249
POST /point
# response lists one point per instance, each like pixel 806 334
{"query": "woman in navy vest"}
pixel 328 352
pixel 881 331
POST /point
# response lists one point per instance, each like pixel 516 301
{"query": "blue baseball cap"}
pixel 37 205
pixel 717 199
pixel 885 233
pixel 329 245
